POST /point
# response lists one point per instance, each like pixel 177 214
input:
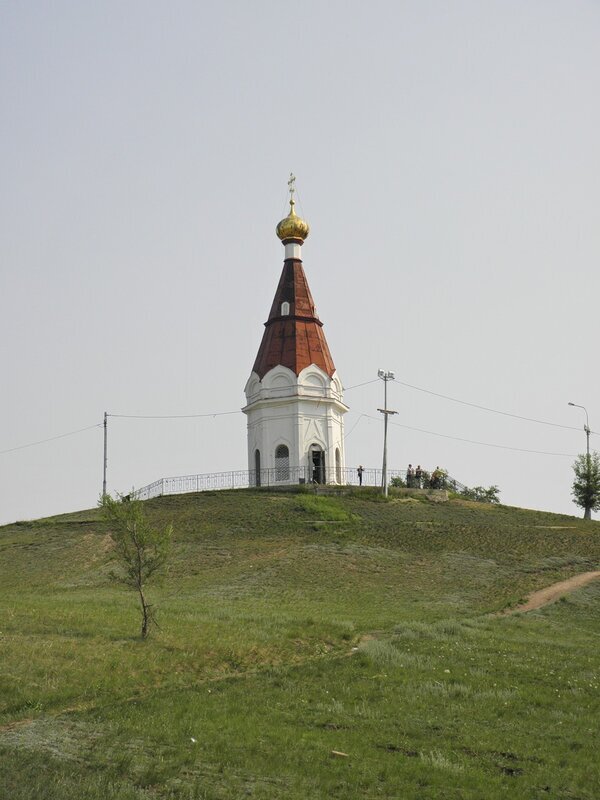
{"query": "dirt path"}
pixel 551 593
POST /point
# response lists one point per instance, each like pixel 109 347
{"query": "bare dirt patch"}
pixel 552 593
pixel 557 527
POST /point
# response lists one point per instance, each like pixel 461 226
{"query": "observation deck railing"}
pixel 280 477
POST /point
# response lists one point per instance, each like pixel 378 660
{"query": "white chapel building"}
pixel 294 400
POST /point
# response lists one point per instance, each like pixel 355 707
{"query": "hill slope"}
pixel 294 626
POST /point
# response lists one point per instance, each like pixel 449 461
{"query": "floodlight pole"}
pixel 105 454
pixel 385 377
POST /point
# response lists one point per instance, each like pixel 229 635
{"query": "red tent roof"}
pixel 293 340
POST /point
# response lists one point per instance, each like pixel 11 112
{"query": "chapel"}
pixel 294 404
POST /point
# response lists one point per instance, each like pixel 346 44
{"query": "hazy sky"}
pixel 447 157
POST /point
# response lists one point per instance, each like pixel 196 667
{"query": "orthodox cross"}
pixel 291 184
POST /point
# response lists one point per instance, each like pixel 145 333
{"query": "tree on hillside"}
pixel 586 484
pixel 481 494
pixel 141 550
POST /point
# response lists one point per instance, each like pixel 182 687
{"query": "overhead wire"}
pixel 50 439
pixel 368 416
pixel 219 413
pixel 357 385
pixel 136 416
pixel 473 441
pixel 174 416
pixel 486 408
pixel 346 435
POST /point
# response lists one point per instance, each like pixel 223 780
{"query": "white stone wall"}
pixel 298 412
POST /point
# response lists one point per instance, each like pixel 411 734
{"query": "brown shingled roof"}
pixel 295 340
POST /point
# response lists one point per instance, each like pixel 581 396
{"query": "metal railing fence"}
pixel 290 476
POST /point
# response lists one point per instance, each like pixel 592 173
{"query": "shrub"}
pixel 482 495
pixel 397 482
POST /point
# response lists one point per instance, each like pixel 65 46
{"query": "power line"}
pixel 353 428
pixel 472 441
pixel 51 439
pixel 356 385
pixel 348 388
pixel 173 416
pixel 476 405
pixel 224 413
pixel 485 408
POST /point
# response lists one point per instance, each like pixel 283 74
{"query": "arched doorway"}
pixel 317 463
pixel 257 467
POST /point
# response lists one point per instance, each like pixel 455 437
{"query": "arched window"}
pixel 338 466
pixel 282 463
pixel 257 467
pixel 285 308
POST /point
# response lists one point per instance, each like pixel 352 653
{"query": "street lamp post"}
pixel 587 511
pixel 385 377
pixel 586 428
pixel 105 455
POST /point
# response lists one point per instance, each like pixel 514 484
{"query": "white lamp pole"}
pixel 385 377
pixel 105 454
pixel 586 428
pixel 587 512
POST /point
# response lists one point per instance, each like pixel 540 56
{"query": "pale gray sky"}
pixel 448 163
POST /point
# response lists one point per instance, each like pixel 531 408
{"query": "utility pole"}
pixel 385 377
pixel 105 454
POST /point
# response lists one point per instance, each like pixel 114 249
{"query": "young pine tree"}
pixel 140 549
pixel 586 484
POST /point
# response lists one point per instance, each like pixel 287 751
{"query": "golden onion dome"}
pixel 292 227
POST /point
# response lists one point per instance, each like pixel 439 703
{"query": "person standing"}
pixel 360 471
pixel 418 476
pixel 410 476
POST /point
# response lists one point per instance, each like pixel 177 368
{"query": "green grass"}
pixel 293 626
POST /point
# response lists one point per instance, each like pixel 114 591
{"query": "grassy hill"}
pixel 295 627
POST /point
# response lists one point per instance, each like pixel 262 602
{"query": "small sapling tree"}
pixel 586 484
pixel 140 549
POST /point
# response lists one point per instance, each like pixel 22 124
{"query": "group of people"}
pixel 417 479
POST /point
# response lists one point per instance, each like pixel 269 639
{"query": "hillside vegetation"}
pixel 309 647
